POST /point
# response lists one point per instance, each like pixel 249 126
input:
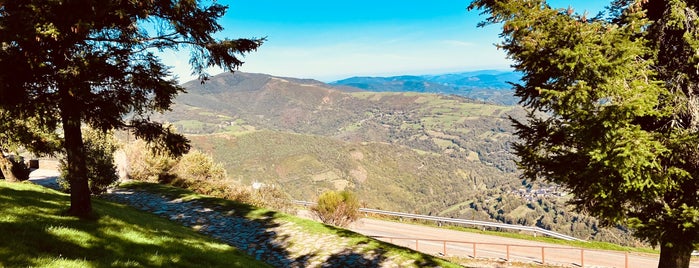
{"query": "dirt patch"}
pixel 356 155
pixel 326 176
pixel 341 185
pixel 360 174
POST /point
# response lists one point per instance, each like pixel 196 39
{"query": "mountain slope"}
pixel 446 125
pixel 385 176
pixel 403 151
pixel 415 152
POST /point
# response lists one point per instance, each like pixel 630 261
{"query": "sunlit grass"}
pixel 36 233
pixel 308 226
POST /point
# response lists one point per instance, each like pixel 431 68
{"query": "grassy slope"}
pixel 309 226
pixel 35 234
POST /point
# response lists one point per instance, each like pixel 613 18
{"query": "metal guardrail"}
pixel 460 221
pixel 507 252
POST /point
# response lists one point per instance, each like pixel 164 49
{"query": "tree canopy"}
pixel 71 62
pixel 614 110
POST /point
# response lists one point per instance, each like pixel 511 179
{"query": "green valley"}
pixel 422 153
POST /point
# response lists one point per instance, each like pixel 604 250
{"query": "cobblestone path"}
pixel 277 242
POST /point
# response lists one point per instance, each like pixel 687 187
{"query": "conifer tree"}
pixel 74 62
pixel 614 110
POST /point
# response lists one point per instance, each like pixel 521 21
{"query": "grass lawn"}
pixel 35 233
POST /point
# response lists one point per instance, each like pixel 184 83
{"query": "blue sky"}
pixel 331 40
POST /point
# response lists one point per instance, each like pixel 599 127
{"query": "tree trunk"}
pixel 675 254
pixel 6 169
pixel 80 203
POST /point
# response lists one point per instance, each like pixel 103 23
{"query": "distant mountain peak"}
pixel 246 82
pixel 484 85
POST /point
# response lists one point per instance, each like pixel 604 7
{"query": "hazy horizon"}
pixel 328 40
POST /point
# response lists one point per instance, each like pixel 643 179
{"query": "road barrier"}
pixel 459 221
pixel 507 252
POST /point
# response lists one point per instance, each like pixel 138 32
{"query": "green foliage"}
pixel 337 208
pixel 197 166
pixel 121 236
pixel 31 133
pixel 23 134
pixel 613 111
pixel 547 212
pixel 92 62
pixel 146 165
pixel 101 169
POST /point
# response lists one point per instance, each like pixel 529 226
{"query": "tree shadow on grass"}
pixel 37 234
pixel 126 238
pixel 348 258
pixel 254 231
pixel 245 227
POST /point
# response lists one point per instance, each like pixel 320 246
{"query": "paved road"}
pixel 45 177
pixel 520 250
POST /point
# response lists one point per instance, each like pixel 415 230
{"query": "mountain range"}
pixel 439 154
pixel 486 85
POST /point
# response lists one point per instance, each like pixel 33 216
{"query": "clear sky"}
pixel 330 40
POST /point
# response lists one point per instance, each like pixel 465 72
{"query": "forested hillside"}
pixel 423 153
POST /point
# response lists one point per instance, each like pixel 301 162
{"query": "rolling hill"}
pixel 446 125
pixel 434 149
pixel 435 154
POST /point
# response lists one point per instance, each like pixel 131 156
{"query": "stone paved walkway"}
pixel 279 243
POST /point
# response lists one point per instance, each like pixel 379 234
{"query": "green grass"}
pixel 455 207
pixel 308 226
pixel 36 233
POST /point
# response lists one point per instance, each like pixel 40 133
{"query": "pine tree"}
pixel 614 110
pixel 74 62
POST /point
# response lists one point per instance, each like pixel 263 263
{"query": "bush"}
pixel 198 172
pixel 144 165
pixel 20 169
pixel 196 167
pixel 99 157
pixel 337 208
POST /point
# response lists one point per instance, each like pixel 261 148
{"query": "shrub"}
pixel 20 169
pixel 144 165
pixel 99 157
pixel 195 167
pixel 337 208
pixel 198 172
